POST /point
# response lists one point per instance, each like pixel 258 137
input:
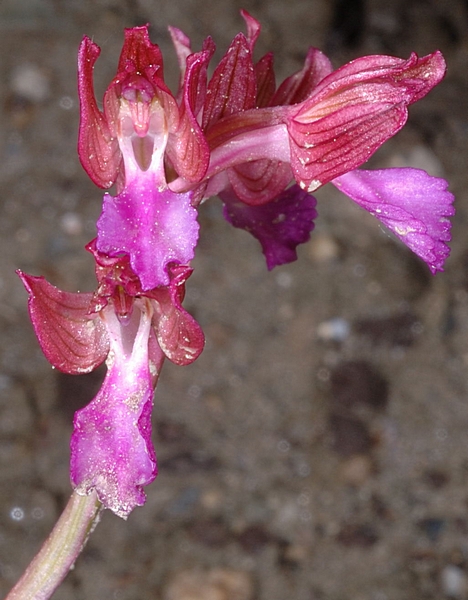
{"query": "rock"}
pixel 30 83
pixel 356 383
pixel 361 535
pixel 334 330
pixel 356 470
pixel 395 330
pixel 454 582
pixel 349 435
pixel 323 248
pixel 217 584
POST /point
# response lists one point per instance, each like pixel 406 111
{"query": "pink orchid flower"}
pixel 239 137
pixel 133 330
pixel 263 149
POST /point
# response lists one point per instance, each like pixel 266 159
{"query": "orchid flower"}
pixel 133 330
pixel 240 137
pixel 264 150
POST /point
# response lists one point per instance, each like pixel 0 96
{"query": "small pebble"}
pixel 72 223
pixel 217 584
pixel 29 82
pixel 211 499
pixel 432 527
pixel 254 539
pixel 356 470
pixel 213 533
pixel 323 248
pixel 296 553
pixel 454 582
pixel 358 383
pixel 334 330
pixel 361 535
pixel 349 435
pixel 396 330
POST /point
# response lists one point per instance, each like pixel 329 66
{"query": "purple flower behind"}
pixel 279 225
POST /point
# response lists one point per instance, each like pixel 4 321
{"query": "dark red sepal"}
pixel 72 340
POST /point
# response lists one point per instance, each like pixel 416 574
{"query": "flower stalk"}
pixel 59 552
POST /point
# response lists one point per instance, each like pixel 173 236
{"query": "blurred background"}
pixel 318 449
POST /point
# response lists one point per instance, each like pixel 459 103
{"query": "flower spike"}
pixel 263 149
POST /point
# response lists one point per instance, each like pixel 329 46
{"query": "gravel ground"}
pixel 318 448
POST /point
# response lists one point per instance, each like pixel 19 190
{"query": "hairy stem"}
pixel 59 552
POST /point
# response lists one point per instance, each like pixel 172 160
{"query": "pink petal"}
pixel 111 447
pixel 179 335
pixel 253 28
pixel 72 340
pixel 154 226
pixel 279 225
pixel 233 85
pixel 259 181
pixel 251 135
pixel 341 141
pixel 140 56
pixel 411 203
pixel 187 147
pixel 299 86
pixel 266 84
pixel 353 111
pixel 183 49
pixel 97 145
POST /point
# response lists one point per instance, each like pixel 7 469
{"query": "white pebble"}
pixel 71 223
pixel 334 330
pixel 454 581
pixel 29 81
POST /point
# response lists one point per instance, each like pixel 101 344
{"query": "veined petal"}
pixel 98 148
pixel 233 85
pixel 253 28
pixel 259 181
pixel 140 55
pixel 111 447
pixel 299 86
pixel 264 73
pixel 183 50
pixel 412 204
pixel 353 111
pixel 279 226
pixel 254 143
pixel 179 335
pixel 341 141
pixel 414 77
pixel 153 225
pixel 72 340
pixel 187 147
pixel 266 83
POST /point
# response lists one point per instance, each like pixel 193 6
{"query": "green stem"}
pixel 59 552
